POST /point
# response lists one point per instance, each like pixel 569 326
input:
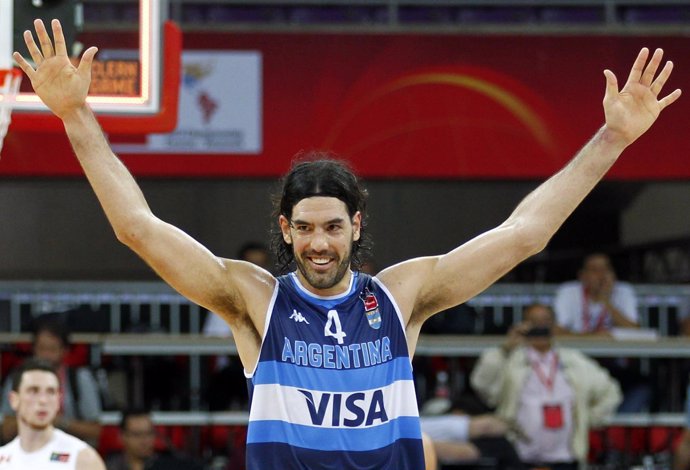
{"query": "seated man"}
pixel 595 304
pixel 138 437
pixel 597 301
pixel 552 395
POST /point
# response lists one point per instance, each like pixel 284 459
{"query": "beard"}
pixel 327 279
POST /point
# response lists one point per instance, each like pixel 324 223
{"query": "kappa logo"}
pixel 297 316
pixel 5 459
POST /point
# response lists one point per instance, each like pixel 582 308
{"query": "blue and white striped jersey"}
pixel 333 386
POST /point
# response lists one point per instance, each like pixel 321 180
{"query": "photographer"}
pixel 551 395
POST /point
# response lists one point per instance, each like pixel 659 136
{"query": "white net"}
pixel 9 87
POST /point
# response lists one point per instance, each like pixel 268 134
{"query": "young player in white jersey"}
pixel 35 398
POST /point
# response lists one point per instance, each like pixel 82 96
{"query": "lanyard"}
pixel 546 380
pixel 587 321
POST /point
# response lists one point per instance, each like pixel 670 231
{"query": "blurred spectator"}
pixel 227 388
pixel 138 437
pixel 597 301
pixel 552 396
pixel 80 406
pixel 594 305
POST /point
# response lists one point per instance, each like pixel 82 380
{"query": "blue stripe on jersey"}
pixel 398 456
pixel 320 438
pixel 333 380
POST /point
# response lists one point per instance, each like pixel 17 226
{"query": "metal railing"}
pixel 174 323
pixel 155 307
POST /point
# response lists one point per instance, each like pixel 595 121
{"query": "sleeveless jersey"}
pixel 60 453
pixel 333 385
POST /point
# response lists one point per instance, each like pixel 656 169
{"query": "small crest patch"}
pixel 371 309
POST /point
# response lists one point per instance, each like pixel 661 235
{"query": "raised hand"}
pixel 60 85
pixel 632 110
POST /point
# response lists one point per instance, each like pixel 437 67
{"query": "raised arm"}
pixel 425 286
pixel 233 289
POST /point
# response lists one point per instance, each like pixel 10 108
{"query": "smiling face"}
pixel 321 233
pixel 37 400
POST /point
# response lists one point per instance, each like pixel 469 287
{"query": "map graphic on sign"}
pixel 219 106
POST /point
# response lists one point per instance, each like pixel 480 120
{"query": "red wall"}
pixel 432 106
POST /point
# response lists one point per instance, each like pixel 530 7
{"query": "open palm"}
pixel 60 85
pixel 632 110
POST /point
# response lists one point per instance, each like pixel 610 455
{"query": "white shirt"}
pixel 580 316
pixel 449 428
pixel 214 325
pixel 60 453
pixel 546 384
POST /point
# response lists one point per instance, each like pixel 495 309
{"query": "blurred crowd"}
pixel 528 403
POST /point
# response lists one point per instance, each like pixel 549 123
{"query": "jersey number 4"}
pixel 333 327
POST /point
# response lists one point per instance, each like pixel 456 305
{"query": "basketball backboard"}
pixel 129 92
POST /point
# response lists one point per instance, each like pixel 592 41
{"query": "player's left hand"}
pixel 632 110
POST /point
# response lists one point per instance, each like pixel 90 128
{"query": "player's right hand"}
pixel 60 85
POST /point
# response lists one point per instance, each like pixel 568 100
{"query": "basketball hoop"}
pixel 9 87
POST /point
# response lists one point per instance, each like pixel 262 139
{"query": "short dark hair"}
pixel 133 411
pixel 596 254
pixel 31 364
pixel 53 326
pixel 319 173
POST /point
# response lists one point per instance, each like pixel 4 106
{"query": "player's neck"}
pixel 32 440
pixel 340 288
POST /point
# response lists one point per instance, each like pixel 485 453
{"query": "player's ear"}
pixel 356 225
pixel 14 400
pixel 285 229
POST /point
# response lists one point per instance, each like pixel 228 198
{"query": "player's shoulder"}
pixel 8 453
pixel 88 459
pixel 574 358
pixel 68 441
pixel 8 447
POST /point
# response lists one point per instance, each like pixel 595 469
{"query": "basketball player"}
pixel 327 349
pixel 35 398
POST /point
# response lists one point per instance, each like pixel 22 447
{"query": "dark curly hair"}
pixel 318 173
